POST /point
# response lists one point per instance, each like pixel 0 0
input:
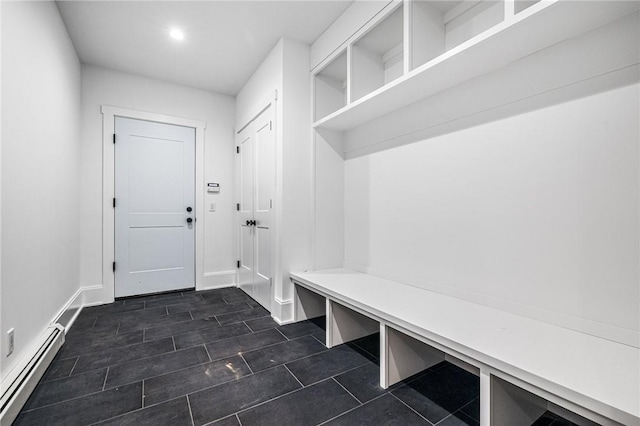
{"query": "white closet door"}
pixel 154 213
pixel 265 169
pixel 245 217
pixel 256 165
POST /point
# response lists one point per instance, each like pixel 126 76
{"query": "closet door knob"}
pixel 189 209
pixel 189 220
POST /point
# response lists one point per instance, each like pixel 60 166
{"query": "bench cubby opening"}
pixel 345 325
pixel 377 58
pixel 510 404
pixel 439 26
pixel 402 356
pixel 307 304
pixel 330 87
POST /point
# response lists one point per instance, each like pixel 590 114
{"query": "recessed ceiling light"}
pixel 176 34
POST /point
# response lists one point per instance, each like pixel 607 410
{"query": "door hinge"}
pixel 114 266
pixel 237 150
pixel 114 203
pixel 114 138
pixel 238 207
pixel 238 264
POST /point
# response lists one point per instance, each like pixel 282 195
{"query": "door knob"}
pixel 189 209
pixel 189 220
pixel 248 223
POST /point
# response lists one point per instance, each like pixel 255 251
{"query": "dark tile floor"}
pixel 216 357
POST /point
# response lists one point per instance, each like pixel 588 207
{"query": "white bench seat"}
pixel 574 370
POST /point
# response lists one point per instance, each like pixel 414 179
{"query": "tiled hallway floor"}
pixel 217 357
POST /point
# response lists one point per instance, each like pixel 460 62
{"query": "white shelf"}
pixel 590 372
pixel 537 26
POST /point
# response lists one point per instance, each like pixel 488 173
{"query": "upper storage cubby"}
pixel 439 26
pixel 377 57
pixel 330 87
pixel 521 5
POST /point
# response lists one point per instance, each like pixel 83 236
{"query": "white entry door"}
pixel 154 207
pixel 256 165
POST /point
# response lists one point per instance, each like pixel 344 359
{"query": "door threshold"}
pixel 136 296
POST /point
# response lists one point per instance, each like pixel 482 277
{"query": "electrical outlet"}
pixel 10 341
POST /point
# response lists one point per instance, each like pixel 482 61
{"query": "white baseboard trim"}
pixel 220 279
pixel 593 328
pixel 282 311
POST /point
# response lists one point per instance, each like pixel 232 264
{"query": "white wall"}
pixel 40 172
pixel 537 213
pixel 106 87
pixel 286 69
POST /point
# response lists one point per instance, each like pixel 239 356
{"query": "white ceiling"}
pixel 225 41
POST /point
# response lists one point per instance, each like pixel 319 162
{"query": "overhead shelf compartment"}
pixel 439 26
pixel 330 87
pixel 377 57
pixel 501 44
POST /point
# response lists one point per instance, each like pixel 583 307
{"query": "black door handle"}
pixel 189 220
pixel 248 223
pixel 189 209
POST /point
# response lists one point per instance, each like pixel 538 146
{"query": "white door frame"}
pixel 109 114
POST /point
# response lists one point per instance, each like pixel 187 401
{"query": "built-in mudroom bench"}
pixel 526 366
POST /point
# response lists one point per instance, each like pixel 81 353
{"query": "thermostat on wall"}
pixel 213 187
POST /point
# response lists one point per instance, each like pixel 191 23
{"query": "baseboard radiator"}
pixel 15 395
